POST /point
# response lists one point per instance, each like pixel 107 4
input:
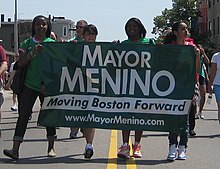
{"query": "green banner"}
pixel 117 86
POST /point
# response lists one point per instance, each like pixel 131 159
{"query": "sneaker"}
pixel 196 116
pixel 51 153
pixel 172 153
pixel 201 115
pixel 14 108
pixel 11 153
pixel 192 133
pixel 73 135
pixel 181 153
pixel 136 151
pixel 88 151
pixel 124 152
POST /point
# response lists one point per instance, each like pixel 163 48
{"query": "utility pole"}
pixel 16 28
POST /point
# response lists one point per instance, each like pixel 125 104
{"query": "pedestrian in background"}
pixel 202 79
pixel 29 56
pixel 12 71
pixel 136 33
pixel 3 67
pixel 214 82
pixel 80 25
pixel 178 36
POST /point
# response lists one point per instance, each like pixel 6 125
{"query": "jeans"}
pixel 183 140
pixel 192 113
pixel 26 102
pixel 173 139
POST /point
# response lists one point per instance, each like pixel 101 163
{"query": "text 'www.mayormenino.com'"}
pixel 113 120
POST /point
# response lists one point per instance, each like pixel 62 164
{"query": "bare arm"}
pixel 197 52
pixel 212 76
pixel 3 67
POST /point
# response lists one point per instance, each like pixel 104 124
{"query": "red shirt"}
pixel 2 56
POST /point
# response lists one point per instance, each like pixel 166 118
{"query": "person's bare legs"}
pixel 14 100
pixel 138 135
pixel 202 89
pixel 125 136
pixel 89 134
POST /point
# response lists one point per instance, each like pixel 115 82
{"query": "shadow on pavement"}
pixel 70 160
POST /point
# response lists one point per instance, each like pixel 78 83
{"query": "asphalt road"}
pixel 203 151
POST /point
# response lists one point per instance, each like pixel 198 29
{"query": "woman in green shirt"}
pixel 29 55
pixel 136 34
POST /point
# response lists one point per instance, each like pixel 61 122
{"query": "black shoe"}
pixel 14 109
pixel 11 154
pixel 192 133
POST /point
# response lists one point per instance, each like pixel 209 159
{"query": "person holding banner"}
pixel 178 36
pixel 80 25
pixel 89 35
pixel 136 33
pixel 214 82
pixel 29 56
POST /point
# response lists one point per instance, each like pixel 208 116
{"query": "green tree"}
pixel 186 10
pixel 182 10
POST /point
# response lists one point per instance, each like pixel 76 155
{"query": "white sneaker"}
pixel 172 153
pixel 201 115
pixel 181 153
pixel 124 152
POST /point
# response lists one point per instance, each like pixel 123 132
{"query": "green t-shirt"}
pixel 77 38
pixel 202 71
pixel 141 41
pixel 33 77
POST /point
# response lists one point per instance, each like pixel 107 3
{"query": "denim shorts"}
pixel 217 92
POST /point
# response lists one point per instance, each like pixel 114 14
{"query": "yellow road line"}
pixel 112 156
pixel 131 163
pixel 113 146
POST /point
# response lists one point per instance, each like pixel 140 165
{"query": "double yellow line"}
pixel 113 149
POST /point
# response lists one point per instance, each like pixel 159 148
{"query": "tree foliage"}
pixel 186 10
pixel 182 10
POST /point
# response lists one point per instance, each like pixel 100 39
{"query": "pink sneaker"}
pixel 136 151
pixel 124 152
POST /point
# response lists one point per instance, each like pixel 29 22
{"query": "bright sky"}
pixel 109 16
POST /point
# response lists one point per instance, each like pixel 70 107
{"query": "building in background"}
pixel 63 28
pixel 203 20
pixel 213 21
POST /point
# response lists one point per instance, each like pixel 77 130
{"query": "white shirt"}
pixel 11 67
pixel 216 59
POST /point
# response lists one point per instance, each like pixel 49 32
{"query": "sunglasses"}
pixel 79 27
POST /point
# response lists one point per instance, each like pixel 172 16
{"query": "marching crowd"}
pixel 136 34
